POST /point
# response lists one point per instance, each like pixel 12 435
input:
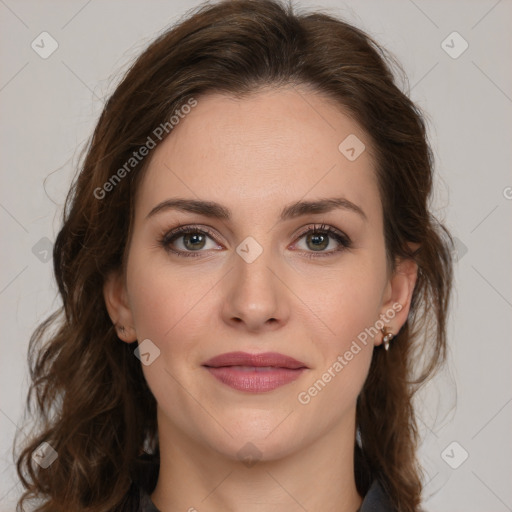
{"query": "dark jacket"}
pixel 145 481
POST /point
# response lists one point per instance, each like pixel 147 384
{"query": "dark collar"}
pixel 376 500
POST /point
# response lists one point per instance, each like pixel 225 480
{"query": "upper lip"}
pixel 245 359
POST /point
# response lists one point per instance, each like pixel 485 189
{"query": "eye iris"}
pixel 320 241
pixel 193 239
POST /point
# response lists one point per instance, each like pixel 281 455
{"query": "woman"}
pixel 250 277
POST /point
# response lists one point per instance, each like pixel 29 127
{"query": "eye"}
pixel 319 238
pixel 189 241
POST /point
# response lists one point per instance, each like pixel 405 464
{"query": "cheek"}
pixel 335 305
pixel 347 306
pixel 345 349
pixel 173 311
pixel 344 303
pixel 168 303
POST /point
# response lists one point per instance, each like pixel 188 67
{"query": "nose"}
pixel 255 295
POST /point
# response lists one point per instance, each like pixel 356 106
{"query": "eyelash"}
pixel 169 237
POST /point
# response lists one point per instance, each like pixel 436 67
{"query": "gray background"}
pixel 49 108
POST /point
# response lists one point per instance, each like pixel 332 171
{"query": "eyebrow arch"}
pixel 291 211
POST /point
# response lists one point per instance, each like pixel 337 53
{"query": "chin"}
pixel 250 450
pixel 256 441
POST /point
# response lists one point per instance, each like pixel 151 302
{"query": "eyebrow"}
pixel 291 211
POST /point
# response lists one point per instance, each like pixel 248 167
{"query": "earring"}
pixel 121 328
pixel 387 337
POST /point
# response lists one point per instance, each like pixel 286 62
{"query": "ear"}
pixel 116 301
pixel 398 294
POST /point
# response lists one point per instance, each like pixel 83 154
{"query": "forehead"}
pixel 271 147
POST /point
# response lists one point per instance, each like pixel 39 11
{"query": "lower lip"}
pixel 255 380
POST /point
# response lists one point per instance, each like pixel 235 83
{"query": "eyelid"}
pixel 321 228
pixel 340 237
pixel 168 235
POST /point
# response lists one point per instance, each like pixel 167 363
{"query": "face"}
pixel 266 276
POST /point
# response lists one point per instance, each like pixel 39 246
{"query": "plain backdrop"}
pixel 49 107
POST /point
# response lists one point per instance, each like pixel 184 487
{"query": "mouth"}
pixel 255 373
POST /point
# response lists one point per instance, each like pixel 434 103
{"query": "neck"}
pixel 318 477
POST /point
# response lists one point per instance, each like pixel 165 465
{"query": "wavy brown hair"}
pixel 88 393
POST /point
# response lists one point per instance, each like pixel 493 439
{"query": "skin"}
pixel 272 148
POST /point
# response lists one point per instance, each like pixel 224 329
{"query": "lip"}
pixel 264 359
pixel 255 373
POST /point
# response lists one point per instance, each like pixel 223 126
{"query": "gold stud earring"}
pixel 387 337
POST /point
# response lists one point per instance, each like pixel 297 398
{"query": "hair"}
pixel 87 392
